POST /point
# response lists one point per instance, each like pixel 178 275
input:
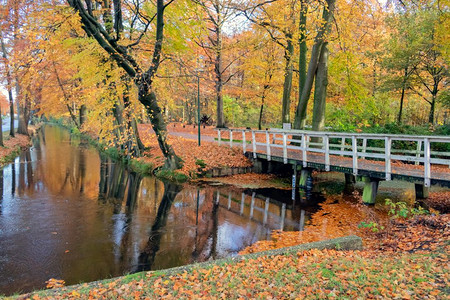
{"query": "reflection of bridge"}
pixel 373 157
pixel 268 212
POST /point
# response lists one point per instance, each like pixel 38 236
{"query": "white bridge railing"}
pixel 352 145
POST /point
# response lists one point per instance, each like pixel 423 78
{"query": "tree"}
pixel 143 78
pixel 280 28
pixel 218 13
pixel 319 42
pixel 432 69
pixel 403 48
pixel 8 83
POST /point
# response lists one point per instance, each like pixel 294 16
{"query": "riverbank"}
pixel 379 231
pixel 197 160
pixel 12 147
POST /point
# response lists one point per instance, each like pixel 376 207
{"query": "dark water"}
pixel 68 213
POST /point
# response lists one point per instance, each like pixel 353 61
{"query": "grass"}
pixel 10 157
pixel 172 175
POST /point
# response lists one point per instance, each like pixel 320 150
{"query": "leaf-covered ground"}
pixel 12 146
pixel 313 274
pixel 252 181
pixel 195 158
pixel 338 217
pixel 439 201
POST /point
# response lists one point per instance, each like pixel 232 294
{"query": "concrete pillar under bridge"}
pixel 422 191
pixel 349 186
pixel 370 189
pixel 350 179
pixel 306 178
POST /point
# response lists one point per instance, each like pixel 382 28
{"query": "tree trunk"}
pixel 327 16
pixel 261 111
pixel 9 83
pixel 148 98
pixel 21 111
pixel 1 134
pixel 23 119
pixel 303 48
pixel 132 124
pixel 400 112
pixel 432 109
pixel 320 91
pixel 142 79
pixel 82 114
pixel 219 79
pixel 11 112
pixel 434 93
pixel 287 86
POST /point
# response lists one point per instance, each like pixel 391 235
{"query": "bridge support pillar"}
pixel 349 178
pixel 370 190
pixel 304 175
pixel 421 191
pixel 349 186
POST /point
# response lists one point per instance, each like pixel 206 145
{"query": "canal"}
pixel 68 212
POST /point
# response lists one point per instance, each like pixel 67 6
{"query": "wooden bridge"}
pixel 372 157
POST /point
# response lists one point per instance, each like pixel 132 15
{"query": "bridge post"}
pixel 294 181
pixel 349 186
pixel 421 191
pixel 349 179
pixel 370 189
pixel 304 175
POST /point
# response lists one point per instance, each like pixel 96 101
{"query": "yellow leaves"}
pixel 210 154
pixel 75 294
pixel 54 283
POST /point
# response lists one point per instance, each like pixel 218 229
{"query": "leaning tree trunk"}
pixel 320 91
pixel 131 120
pixel 142 79
pixel 261 110
pixel 327 17
pixel 400 112
pixel 148 99
pixel 303 48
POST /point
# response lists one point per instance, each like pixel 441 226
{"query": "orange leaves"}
pixel 209 155
pixel 439 201
pixel 53 283
pixel 308 274
pixel 336 218
pixel 19 141
pixel 252 180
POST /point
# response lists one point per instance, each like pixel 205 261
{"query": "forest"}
pixel 362 65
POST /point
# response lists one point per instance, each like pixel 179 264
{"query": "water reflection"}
pixel 67 212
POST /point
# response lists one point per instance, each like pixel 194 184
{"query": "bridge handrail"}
pixel 341 134
pixel 325 147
